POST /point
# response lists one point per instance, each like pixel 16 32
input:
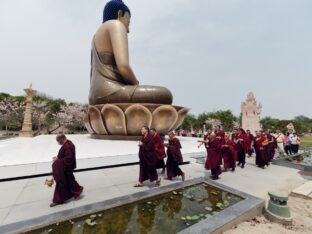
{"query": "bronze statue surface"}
pixel 112 79
pixel 119 106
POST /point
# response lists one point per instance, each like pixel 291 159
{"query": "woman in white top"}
pixel 294 142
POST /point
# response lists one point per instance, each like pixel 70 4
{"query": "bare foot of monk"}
pixel 183 176
pixel 157 183
pixel 138 185
pixel 53 204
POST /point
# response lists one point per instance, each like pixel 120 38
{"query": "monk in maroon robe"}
pixel 270 146
pixel 261 157
pixel 228 153
pixel 214 159
pixel 159 149
pixel 219 133
pixel 205 140
pixel 148 159
pixel 241 143
pixel 63 172
pixel 251 139
pixel 174 157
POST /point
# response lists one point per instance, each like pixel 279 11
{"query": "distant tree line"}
pixel 227 118
pixel 301 123
pixel 48 114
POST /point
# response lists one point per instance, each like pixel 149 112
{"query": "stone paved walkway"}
pixel 30 198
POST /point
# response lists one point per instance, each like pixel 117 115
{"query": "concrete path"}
pixel 30 198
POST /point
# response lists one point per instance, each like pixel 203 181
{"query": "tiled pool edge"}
pixel 248 208
pixel 250 204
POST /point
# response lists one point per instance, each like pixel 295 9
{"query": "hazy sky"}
pixel 209 53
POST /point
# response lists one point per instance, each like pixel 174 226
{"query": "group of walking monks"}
pixel 152 154
pixel 231 149
pixel 151 157
pixel 222 148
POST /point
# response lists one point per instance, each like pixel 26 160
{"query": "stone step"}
pixel 304 190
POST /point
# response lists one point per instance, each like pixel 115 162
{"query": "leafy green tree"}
pixel 190 120
pixel 226 117
pixel 55 105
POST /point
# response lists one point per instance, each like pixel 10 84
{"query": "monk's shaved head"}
pixel 171 133
pixel 60 137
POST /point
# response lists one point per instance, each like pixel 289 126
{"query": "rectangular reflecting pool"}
pixel 169 212
pixel 197 205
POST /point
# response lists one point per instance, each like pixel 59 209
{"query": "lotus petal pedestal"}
pixel 123 121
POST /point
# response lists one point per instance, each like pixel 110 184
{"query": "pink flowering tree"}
pixel 71 117
pixel 10 110
pixel 40 114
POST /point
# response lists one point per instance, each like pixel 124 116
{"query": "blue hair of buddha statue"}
pixel 111 9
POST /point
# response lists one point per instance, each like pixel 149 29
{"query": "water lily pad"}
pixel 100 215
pixel 219 205
pixel 208 208
pixel 183 218
pixel 50 230
pixel 180 193
pixel 188 217
pixel 195 217
pixel 215 212
pixel 174 192
pixel 90 222
pixel 207 216
pixel 149 203
pixel 93 216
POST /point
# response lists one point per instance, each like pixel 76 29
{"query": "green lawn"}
pixel 306 141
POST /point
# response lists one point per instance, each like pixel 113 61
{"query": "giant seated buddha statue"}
pixel 118 104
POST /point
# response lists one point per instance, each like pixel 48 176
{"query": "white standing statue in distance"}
pixel 251 114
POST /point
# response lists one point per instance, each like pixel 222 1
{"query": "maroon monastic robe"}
pixel 220 135
pixel 271 146
pixel 148 159
pixel 174 158
pixel 63 174
pixel 160 150
pixel 241 143
pixel 214 159
pixel 229 154
pixel 251 139
pixel 261 156
pixel 159 146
